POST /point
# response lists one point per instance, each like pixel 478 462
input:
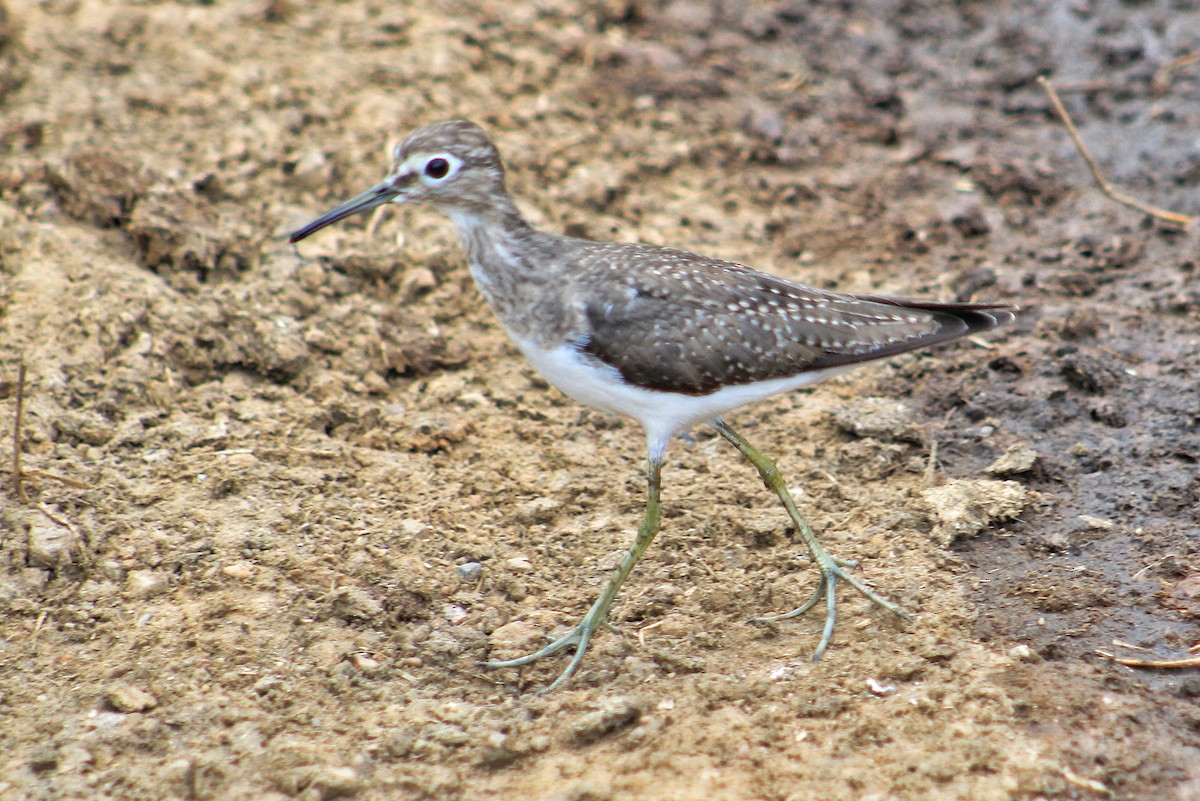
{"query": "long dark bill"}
pixel 375 196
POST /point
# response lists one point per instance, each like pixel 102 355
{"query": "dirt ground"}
pixel 256 471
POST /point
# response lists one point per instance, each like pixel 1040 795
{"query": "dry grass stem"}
pixel 70 482
pixel 17 476
pixel 1162 78
pixel 1188 662
pixel 1171 217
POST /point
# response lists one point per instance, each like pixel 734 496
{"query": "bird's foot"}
pixel 580 637
pixel 831 572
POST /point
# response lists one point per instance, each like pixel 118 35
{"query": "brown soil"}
pixel 254 469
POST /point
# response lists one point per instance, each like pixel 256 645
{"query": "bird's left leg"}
pixel 830 566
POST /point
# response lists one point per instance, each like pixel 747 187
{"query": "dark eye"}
pixel 437 168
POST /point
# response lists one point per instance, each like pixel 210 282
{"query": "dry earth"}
pixel 254 470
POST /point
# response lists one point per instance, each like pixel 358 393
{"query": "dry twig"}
pixel 1166 216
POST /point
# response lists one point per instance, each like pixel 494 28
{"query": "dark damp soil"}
pixel 256 471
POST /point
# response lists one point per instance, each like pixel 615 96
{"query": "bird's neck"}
pixel 504 254
pixel 492 237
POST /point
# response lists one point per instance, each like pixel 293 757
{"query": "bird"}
pixel 667 337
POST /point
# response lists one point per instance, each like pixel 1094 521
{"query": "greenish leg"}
pixel 829 565
pixel 581 635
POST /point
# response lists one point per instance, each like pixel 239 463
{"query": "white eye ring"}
pixel 435 169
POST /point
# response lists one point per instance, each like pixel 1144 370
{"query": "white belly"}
pixel 662 414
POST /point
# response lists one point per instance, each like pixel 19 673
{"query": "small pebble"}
pixel 469 571
pixel 1022 652
pixel 238 570
pixel 519 564
pixel 366 663
pixel 413 528
pixel 311 169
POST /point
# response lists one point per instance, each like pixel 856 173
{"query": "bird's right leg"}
pixel 581 635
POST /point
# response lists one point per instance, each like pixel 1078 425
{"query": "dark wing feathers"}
pixel 683 323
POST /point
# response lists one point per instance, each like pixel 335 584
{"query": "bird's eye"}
pixel 437 168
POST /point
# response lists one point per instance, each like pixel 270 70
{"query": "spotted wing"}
pixel 683 323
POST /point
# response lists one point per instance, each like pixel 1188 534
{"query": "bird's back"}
pixel 674 321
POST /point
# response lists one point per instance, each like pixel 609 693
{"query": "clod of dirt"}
pixel 127 698
pixel 172 231
pixel 1097 523
pixel 145 584
pixel 80 426
pixel 336 781
pixel 513 639
pixel 870 459
pixel 433 433
pixel 878 418
pixel 971 223
pixel 44 759
pixel 1088 374
pixel 1019 458
pixel 273 348
pixel 322 782
pixel 1185 595
pixel 311 170
pixel 415 282
pixel 1023 653
pixel 51 545
pixel 240 570
pixel 614 714
pixel 963 508
pixel 98 188
pixel 597 185
pixel 175 232
pixel 1083 323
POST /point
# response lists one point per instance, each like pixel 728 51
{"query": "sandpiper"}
pixel 667 337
